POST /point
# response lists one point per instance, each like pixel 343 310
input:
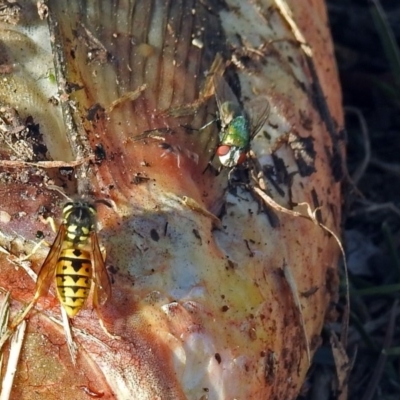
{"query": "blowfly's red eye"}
pixel 223 150
pixel 242 158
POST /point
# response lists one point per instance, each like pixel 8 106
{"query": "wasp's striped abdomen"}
pixel 75 259
pixel 73 279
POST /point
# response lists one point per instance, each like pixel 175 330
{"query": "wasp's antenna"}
pixel 105 202
pixel 59 190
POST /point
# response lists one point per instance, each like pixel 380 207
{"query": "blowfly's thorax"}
pixel 236 133
pixel 79 220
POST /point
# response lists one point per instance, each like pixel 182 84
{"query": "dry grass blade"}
pixel 358 174
pixel 45 164
pixel 4 317
pixel 387 37
pixel 367 207
pixel 3 250
pixel 374 290
pixel 379 369
pixel 286 13
pixel 392 247
pixel 19 318
pixel 127 97
pixel 343 365
pixel 193 205
pixel 390 168
pixel 24 264
pixel 15 351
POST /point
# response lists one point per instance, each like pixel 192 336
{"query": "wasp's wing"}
pixel 102 287
pixel 258 111
pixel 48 269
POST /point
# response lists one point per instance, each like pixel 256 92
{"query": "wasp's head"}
pixel 80 214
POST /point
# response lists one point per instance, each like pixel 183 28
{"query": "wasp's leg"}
pixel 103 252
pixel 106 331
pixel 101 322
pixel 72 348
pixel 50 221
pixel 34 250
pixel 99 316
pixel 15 323
pixel 22 315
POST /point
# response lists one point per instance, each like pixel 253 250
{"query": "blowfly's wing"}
pixel 102 287
pixel 48 269
pixel 223 94
pixel 258 110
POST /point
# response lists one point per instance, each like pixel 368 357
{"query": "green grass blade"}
pixel 387 39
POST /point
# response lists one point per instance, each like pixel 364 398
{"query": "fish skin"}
pixel 200 312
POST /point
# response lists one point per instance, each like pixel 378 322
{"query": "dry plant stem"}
pixel 371 327
pixel 367 206
pixel 387 167
pixel 322 381
pixel 17 321
pixel 13 358
pixel 343 366
pixel 288 16
pixel 359 172
pixel 4 317
pixel 127 97
pixel 374 382
pixel 4 313
pixel 193 205
pixel 44 164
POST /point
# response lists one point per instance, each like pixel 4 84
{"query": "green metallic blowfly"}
pixel 238 126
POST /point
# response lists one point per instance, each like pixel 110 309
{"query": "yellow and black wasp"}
pixel 76 261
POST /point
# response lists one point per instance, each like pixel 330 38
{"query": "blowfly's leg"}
pixel 210 166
